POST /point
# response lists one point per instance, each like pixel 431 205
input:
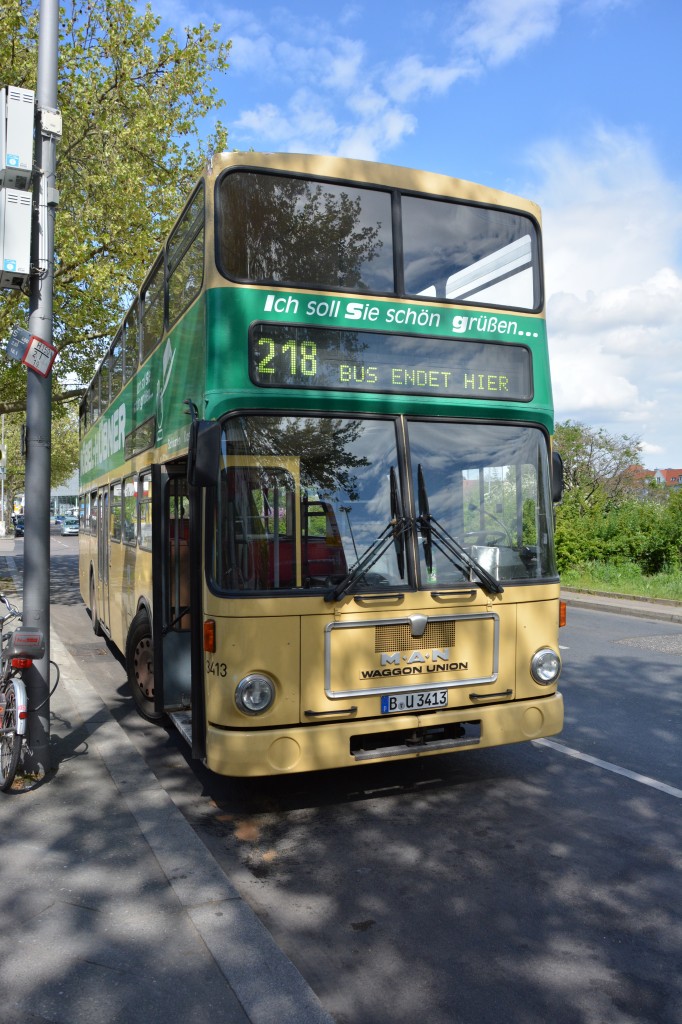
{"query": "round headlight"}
pixel 254 694
pixel 545 666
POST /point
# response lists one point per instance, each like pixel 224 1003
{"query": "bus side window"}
pixel 144 506
pixel 115 511
pixel 93 514
pixel 130 510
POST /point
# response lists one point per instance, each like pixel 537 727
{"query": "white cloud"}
pixel 610 213
pixel 612 227
pixel 249 52
pixel 291 129
pixel 497 30
pixel 411 76
pixel 345 66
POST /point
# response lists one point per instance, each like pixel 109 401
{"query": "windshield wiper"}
pixel 435 535
pixel 392 533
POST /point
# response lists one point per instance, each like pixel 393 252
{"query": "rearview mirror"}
pixel 203 457
pixel 557 477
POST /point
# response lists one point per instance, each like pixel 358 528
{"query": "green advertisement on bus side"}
pixel 151 411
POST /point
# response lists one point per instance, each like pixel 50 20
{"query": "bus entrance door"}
pixel 170 570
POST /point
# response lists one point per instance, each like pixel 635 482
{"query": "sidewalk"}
pixel 663 611
pixel 113 910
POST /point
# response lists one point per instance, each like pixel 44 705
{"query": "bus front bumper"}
pixel 314 747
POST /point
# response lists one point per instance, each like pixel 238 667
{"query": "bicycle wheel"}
pixel 10 739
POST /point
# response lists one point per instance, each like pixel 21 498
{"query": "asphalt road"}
pixel 533 883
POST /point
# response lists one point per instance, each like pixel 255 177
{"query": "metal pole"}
pixel 36 603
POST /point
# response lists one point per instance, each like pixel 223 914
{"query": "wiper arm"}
pixel 435 534
pixel 459 556
pixel 392 533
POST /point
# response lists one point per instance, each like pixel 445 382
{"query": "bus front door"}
pixel 170 570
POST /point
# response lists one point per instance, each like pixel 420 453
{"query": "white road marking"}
pixel 644 780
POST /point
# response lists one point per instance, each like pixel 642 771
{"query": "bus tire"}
pixel 96 627
pixel 140 667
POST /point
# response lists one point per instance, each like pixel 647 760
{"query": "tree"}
pixel 64 456
pixel 64 452
pixel 132 100
pixel 595 462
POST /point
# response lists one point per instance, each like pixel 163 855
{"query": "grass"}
pixel 624 578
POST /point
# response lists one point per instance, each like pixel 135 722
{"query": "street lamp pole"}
pixel 36 600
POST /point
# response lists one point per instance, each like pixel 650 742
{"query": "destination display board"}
pixel 282 356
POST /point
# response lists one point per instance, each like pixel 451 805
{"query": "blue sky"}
pixel 573 103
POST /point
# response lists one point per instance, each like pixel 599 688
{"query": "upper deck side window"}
pixel 152 307
pixel 277 229
pixel 185 257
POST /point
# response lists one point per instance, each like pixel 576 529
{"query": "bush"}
pixel 628 531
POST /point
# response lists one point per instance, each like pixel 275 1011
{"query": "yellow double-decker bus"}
pixel 317 475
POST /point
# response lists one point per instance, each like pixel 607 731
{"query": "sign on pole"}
pixel 17 343
pixel 32 351
pixel 39 355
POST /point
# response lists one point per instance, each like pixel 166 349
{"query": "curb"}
pixel 638 607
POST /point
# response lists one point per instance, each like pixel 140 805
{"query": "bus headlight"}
pixel 545 666
pixel 254 694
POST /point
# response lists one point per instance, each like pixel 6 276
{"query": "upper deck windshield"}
pixel 320 503
pixel 280 229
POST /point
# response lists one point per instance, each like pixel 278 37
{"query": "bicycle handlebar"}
pixel 12 611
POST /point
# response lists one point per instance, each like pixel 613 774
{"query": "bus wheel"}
pixel 96 628
pixel 140 664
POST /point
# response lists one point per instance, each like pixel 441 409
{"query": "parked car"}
pixel 70 526
pixel 18 526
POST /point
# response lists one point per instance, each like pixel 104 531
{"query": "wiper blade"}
pixel 392 533
pixel 397 516
pixel 434 534
pixel 425 519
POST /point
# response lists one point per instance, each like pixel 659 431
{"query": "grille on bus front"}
pixel 398 637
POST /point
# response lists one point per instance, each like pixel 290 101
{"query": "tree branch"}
pixel 61 399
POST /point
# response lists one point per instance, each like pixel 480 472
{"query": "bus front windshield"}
pixel 321 503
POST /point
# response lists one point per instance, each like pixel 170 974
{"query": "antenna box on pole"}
pixel 15 237
pixel 17 116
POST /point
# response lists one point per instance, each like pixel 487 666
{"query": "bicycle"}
pixel 18 650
